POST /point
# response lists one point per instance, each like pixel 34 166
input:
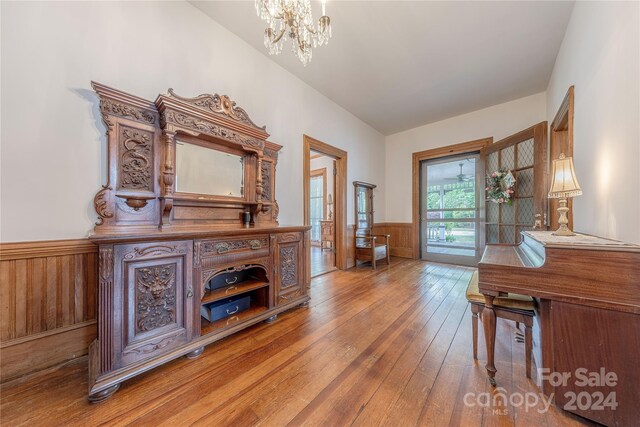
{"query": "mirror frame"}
pixel 249 162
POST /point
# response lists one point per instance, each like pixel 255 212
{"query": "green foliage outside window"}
pixel 455 196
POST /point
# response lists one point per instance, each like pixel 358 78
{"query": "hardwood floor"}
pixel 322 261
pixel 390 347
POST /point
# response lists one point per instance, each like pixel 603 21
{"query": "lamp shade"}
pixel 330 200
pixel 563 181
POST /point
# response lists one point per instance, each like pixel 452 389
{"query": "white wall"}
pixel 498 121
pixel 600 56
pixel 53 144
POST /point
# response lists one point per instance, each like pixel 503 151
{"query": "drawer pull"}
pixel 230 288
pixel 231 281
pixel 255 244
pixel 234 311
pixel 283 297
pixel 232 319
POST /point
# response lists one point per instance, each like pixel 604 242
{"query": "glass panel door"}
pixel 449 209
pixel 316 206
pixel 524 155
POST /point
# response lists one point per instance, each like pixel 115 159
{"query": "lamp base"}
pixel 564 229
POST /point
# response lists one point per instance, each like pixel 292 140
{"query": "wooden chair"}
pixel 372 247
pixel 368 247
pixel 516 307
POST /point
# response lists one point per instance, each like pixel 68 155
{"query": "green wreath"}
pixel 501 187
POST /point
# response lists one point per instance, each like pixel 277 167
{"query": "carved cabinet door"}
pixel 153 299
pixel 289 263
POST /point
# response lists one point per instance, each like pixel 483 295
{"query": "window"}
pixel 317 191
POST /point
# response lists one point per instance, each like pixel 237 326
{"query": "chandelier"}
pixel 292 20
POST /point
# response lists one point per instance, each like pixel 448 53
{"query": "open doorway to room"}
pixel 325 199
pixel 321 195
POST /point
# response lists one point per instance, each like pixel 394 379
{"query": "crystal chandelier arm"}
pixel 277 39
pixel 300 44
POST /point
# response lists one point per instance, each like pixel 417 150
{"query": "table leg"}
pixel 489 323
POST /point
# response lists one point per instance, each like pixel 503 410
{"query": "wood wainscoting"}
pixel 401 240
pixel 48 304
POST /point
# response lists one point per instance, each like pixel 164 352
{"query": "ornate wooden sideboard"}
pixel 173 235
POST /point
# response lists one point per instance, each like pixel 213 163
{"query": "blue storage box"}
pixel 224 308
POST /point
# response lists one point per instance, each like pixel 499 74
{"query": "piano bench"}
pixel 515 307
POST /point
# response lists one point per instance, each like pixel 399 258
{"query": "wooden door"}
pixel 153 307
pixel 525 155
pixel 289 261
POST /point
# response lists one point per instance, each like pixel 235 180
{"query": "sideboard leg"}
pixel 195 353
pixel 271 319
pixel 103 394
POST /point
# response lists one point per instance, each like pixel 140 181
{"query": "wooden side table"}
pixel 327 235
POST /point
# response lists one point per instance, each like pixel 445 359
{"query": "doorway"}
pixel 418 214
pixel 335 219
pixel 321 195
pixel 450 209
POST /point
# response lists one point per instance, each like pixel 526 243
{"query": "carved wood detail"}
pixel 203 126
pixel 220 104
pixel 155 296
pixel 151 347
pixel 136 159
pixel 154 251
pixel 101 204
pixel 158 246
pixel 288 237
pixel 108 106
pixel 273 154
pixel 106 263
pixel 265 171
pixel 213 247
pixel 288 266
pixel 140 188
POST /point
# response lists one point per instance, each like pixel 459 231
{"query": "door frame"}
pixel 339 200
pixel 476 145
pixel 561 141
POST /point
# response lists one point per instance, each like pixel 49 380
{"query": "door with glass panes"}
pixel 449 209
pixel 525 155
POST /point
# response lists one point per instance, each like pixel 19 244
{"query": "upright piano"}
pixel 587 324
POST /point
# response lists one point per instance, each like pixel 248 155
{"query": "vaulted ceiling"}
pixel 400 64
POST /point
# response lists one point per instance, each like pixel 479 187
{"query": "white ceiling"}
pixel 400 64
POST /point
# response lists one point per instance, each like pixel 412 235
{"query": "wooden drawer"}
pixel 234 248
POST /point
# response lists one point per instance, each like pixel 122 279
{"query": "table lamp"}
pixel 563 185
pixel 330 202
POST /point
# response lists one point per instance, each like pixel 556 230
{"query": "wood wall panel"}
pixel 48 303
pixel 401 240
pixel 351 245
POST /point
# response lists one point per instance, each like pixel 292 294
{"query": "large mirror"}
pixel 203 170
